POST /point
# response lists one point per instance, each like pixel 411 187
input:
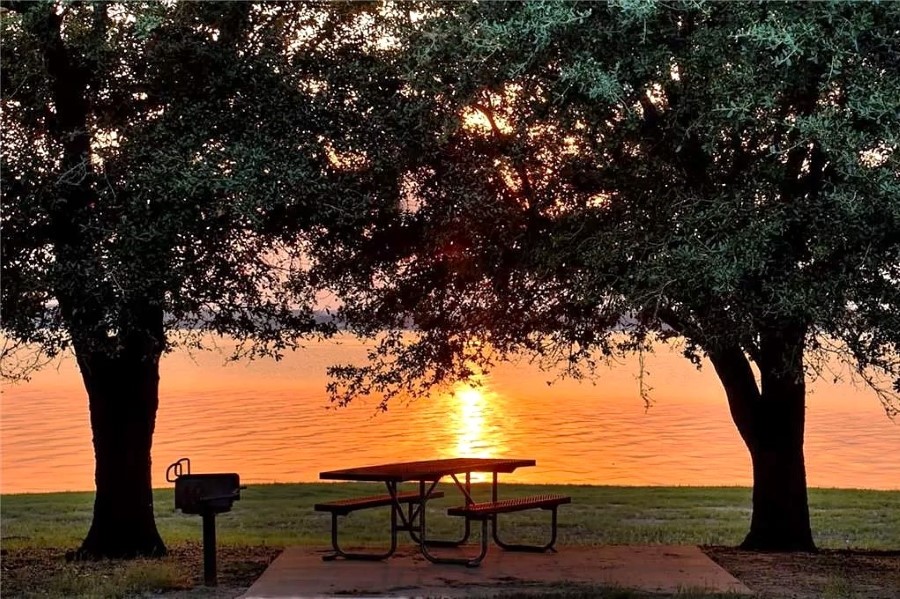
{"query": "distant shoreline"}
pixel 568 486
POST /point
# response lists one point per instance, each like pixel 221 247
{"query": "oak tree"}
pixel 579 181
pixel 162 163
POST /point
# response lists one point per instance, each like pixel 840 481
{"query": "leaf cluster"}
pixel 172 158
pixel 716 172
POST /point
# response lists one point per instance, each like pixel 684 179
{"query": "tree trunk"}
pixel 121 372
pixel 123 394
pixel 771 419
pixel 780 520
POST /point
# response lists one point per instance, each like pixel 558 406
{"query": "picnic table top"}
pixel 430 470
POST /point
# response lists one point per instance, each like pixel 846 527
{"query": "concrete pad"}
pixel 300 572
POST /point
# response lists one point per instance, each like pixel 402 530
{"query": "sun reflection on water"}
pixel 475 427
pixel 471 440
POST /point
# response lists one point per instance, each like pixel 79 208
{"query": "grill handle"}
pixel 177 469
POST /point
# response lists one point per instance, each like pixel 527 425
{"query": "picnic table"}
pixel 428 474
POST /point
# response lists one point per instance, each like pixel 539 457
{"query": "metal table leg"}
pixel 461 561
pixel 440 542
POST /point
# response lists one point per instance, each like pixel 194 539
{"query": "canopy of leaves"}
pixel 712 171
pixel 174 155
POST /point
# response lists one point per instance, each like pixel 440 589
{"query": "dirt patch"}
pixel 843 574
pixel 837 574
pixel 45 572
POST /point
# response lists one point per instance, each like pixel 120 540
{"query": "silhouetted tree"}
pixel 161 164
pixel 579 180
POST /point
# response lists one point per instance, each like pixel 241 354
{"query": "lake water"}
pixel 271 422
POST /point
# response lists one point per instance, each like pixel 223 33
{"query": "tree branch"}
pixel 521 171
pixel 740 386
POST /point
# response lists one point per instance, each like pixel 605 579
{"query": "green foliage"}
pixel 723 172
pixel 170 158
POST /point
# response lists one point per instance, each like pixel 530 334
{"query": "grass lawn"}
pixel 38 529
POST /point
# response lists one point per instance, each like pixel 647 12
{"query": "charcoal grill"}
pixel 205 495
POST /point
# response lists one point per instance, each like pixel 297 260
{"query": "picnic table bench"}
pixel 343 507
pixel 488 512
pixel 432 471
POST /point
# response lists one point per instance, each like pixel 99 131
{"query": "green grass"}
pixel 281 514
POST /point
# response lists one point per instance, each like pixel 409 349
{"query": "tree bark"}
pixel 122 382
pixel 123 395
pixel 771 419
pixel 780 520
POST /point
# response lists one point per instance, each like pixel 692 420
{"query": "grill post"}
pixel 209 548
pixel 205 495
